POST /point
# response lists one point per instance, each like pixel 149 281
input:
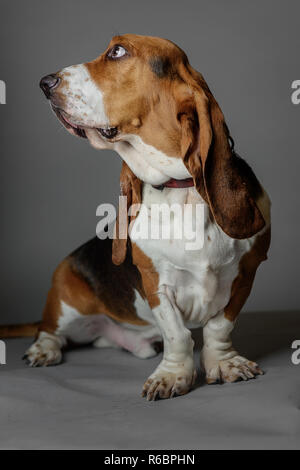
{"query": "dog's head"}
pixel 142 98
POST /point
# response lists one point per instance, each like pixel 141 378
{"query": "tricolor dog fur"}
pixel 143 99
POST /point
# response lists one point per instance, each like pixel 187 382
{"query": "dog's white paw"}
pixel 46 351
pixel 232 370
pixel 169 380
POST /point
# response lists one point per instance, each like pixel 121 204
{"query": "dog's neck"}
pixel 151 165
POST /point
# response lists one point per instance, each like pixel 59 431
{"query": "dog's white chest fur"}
pixel 201 278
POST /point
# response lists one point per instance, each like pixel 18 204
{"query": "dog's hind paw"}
pixel 46 351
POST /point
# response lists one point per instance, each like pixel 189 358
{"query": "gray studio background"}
pixel 51 182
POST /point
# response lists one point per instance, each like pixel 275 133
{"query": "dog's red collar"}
pixel 173 183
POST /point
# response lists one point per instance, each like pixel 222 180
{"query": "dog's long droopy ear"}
pixel 131 188
pixel 223 179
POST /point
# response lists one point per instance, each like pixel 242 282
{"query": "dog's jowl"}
pixel 143 99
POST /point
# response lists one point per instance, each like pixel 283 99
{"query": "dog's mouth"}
pixel 107 132
pixel 68 124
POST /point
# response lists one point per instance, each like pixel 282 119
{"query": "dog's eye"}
pixel 117 52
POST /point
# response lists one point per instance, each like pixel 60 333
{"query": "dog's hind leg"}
pixel 143 343
pixel 74 313
pixel 46 350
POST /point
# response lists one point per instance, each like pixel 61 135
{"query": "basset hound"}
pixel 142 98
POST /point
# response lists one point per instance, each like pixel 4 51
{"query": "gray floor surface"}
pixel 92 400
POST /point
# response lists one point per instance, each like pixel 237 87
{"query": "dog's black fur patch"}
pixel 93 263
pixel 161 66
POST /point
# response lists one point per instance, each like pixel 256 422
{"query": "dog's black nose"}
pixel 48 83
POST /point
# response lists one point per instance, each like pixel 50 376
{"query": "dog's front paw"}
pixel 232 370
pixel 169 379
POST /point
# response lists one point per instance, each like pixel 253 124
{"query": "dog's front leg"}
pixel 176 373
pixel 220 361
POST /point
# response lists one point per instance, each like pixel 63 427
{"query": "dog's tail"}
pixel 18 331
